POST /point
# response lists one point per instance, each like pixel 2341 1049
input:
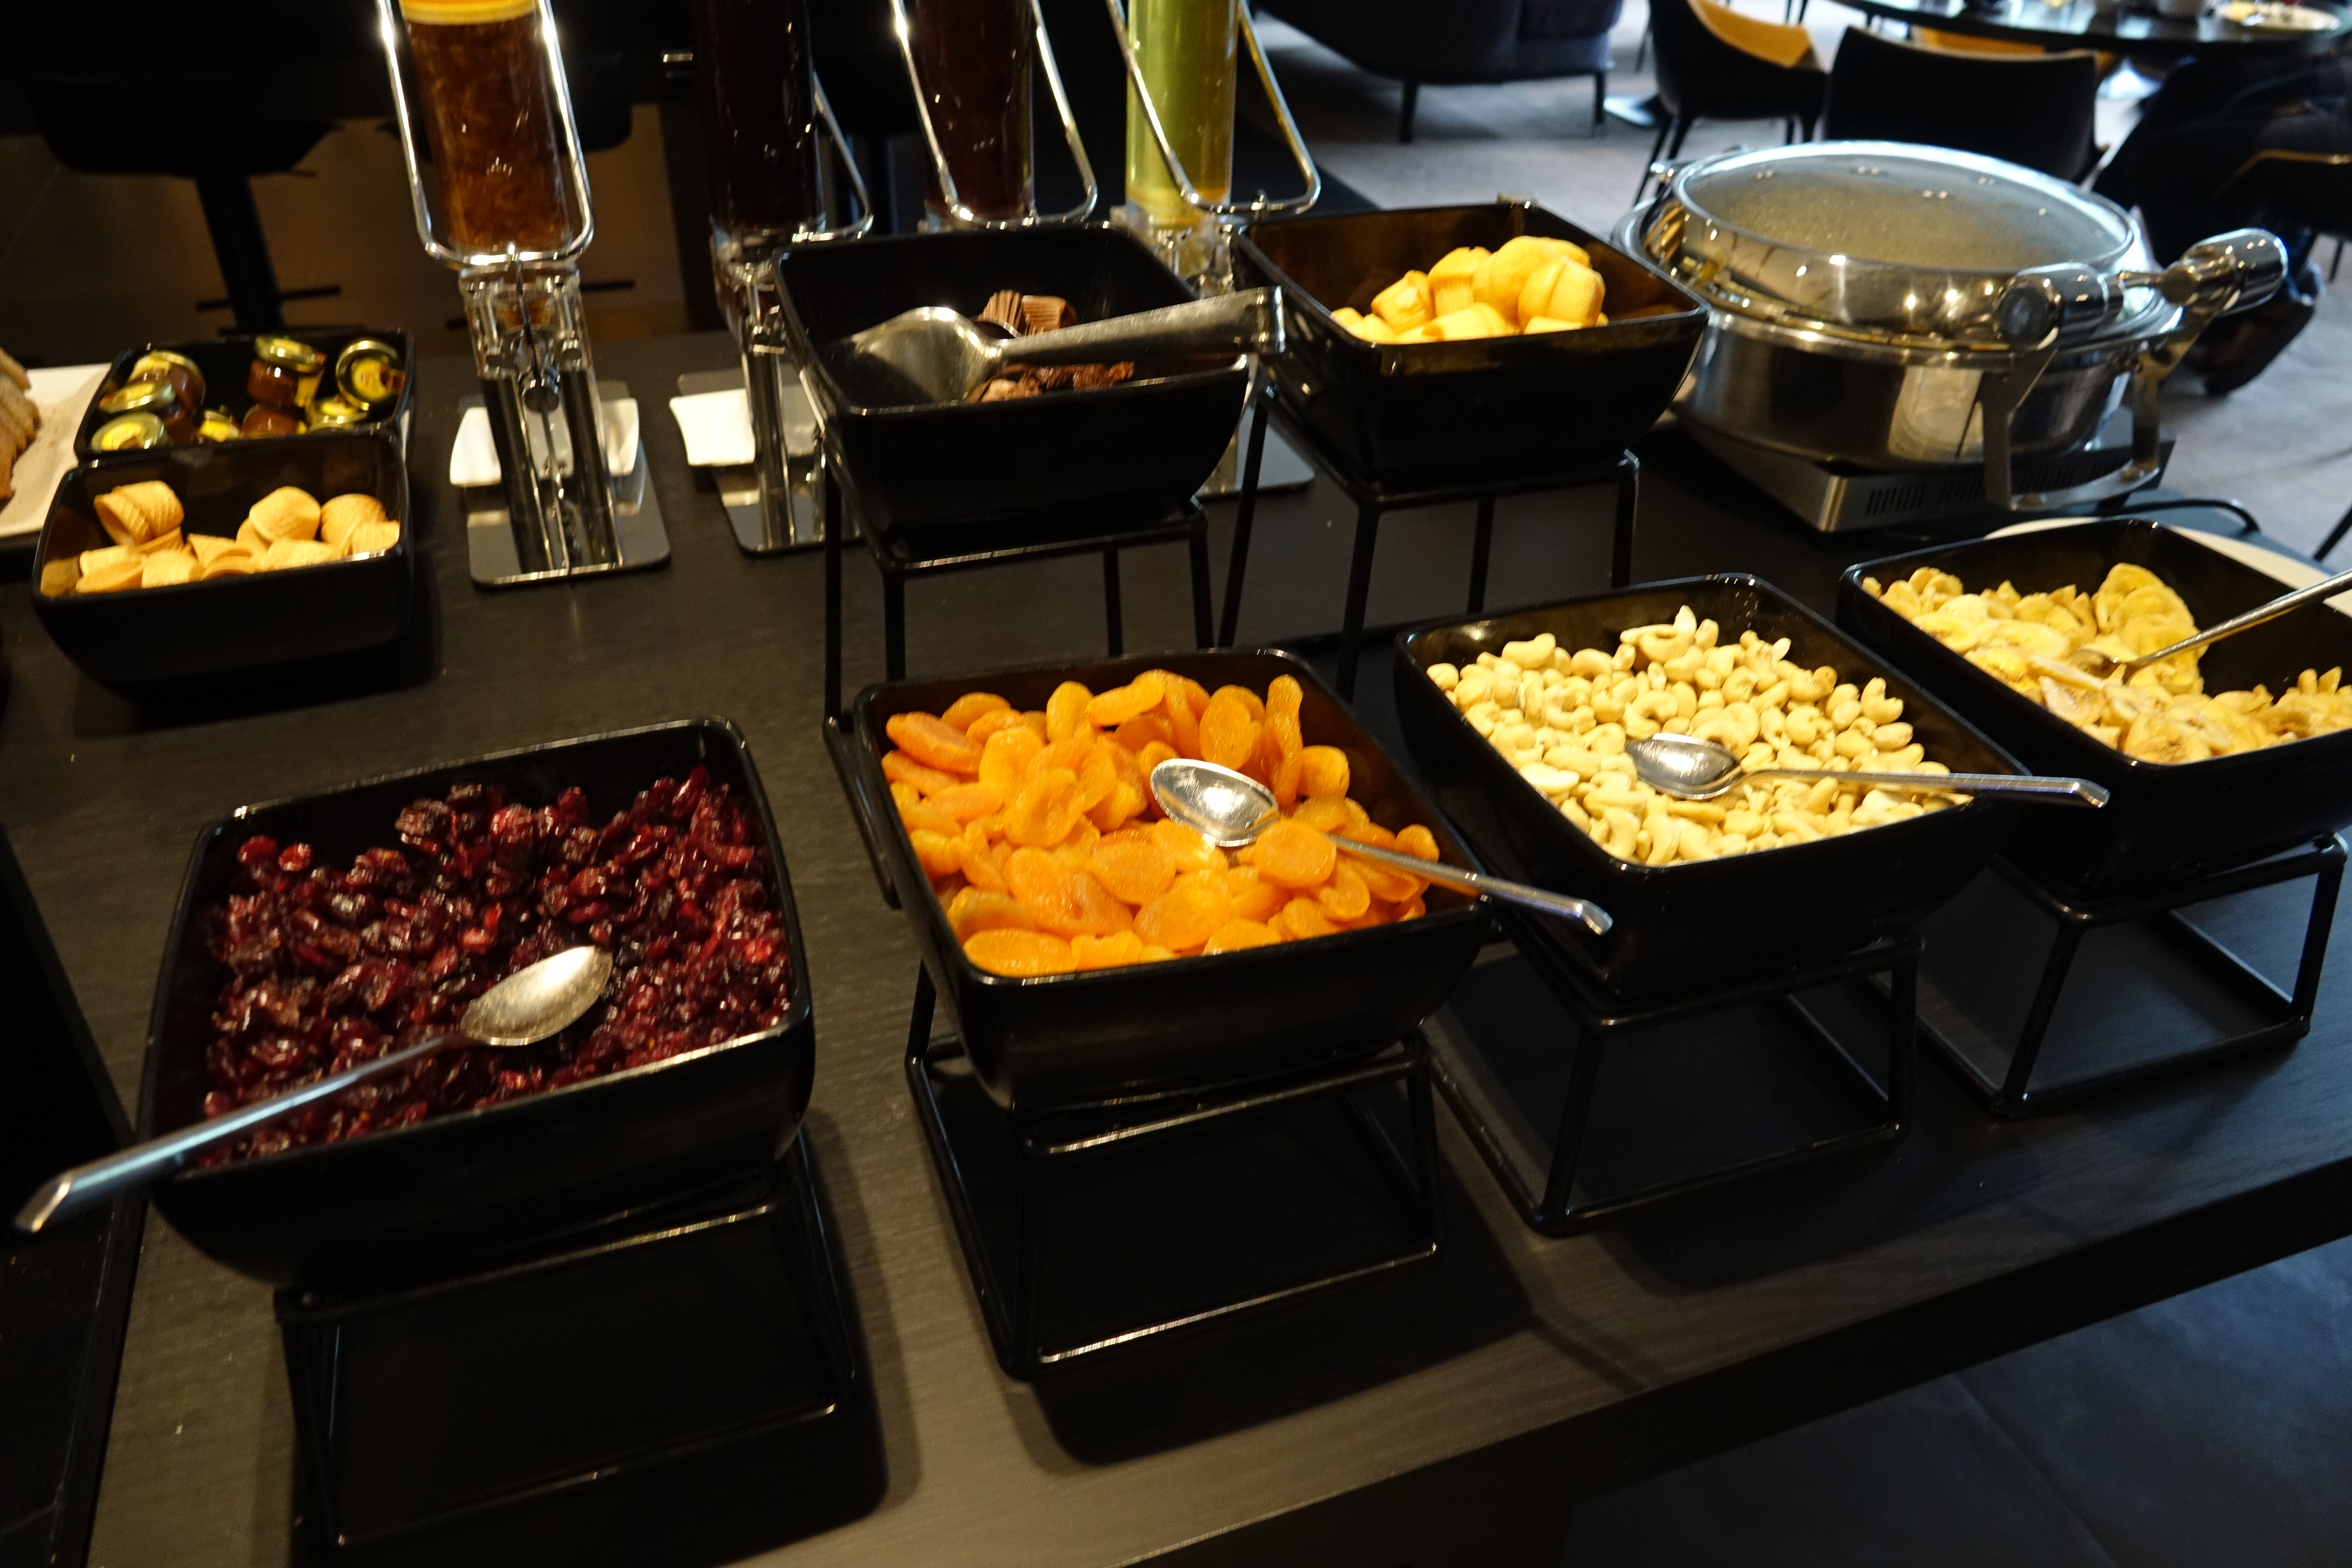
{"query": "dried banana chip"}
pixel 374 538
pixel 170 540
pixel 59 576
pixel 234 561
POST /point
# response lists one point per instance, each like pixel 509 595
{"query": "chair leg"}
pixel 1682 128
pixel 1404 120
pixel 1657 150
pixel 2336 262
pixel 1601 119
pixel 2334 537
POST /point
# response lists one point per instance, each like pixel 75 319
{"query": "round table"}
pixel 2135 30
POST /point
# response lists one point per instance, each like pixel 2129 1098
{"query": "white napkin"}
pixel 62 396
pixel 473 456
pixel 716 427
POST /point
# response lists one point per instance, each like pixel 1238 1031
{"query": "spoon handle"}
pixel 1591 916
pixel 71 1192
pixel 1243 323
pixel 2269 611
pixel 2054 790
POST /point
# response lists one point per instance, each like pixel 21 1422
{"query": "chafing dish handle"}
pixel 2049 306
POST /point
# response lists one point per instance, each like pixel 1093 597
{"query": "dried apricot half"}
pixel 1134 865
pixel 1187 914
pixel 1020 953
pixel 1236 934
pixel 970 707
pixel 1065 711
pixel 933 742
pixel 1294 856
pixel 1045 810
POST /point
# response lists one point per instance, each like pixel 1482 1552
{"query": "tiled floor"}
pixel 2212 1429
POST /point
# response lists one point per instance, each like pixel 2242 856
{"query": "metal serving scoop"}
pixel 1690 768
pixel 1230 809
pixel 523 1009
pixel 934 355
pixel 2094 662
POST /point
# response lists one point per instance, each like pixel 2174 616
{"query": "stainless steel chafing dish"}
pixel 1914 308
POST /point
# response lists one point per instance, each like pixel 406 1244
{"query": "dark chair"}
pixel 2289 191
pixel 1465 42
pixel 1704 76
pixel 97 80
pixel 2034 110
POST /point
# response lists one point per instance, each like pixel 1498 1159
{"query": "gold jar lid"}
pixel 130 432
pixel 334 413
pixel 369 373
pixel 138 396
pixel 292 354
pixel 220 424
pixel 155 364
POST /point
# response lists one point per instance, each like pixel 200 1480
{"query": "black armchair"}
pixel 1703 75
pixel 2034 110
pixel 1468 41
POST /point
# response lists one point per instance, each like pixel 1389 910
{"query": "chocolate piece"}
pixel 1046 313
pixel 1004 310
pixel 1087 377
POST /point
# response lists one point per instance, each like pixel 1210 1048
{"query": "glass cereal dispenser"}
pixel 500 195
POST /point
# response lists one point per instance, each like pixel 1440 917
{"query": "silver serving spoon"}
pixel 1690 768
pixel 939 355
pixel 1230 809
pixel 2092 661
pixel 523 1009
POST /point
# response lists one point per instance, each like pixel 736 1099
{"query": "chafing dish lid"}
pixel 1880 236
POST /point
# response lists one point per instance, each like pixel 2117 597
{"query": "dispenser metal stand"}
pixel 783 510
pixel 563 517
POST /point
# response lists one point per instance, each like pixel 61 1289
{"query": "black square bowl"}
pixel 969 476
pixel 2164 822
pixel 225 361
pixel 1738 918
pixel 1071 1038
pixel 141 641
pixel 460 1188
pixel 1433 414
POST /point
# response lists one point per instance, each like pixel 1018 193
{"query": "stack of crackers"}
pixel 18 418
pixel 286 528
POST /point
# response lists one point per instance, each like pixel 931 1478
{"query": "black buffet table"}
pixel 1447 1417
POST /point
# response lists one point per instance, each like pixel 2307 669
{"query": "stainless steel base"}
pixel 1840 498
pixel 638 527
pixel 738 488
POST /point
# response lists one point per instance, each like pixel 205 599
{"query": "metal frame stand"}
pixel 1376 498
pixel 1053 1139
pixel 326 1408
pixel 1192 526
pixel 2015 1094
pixel 1601 1019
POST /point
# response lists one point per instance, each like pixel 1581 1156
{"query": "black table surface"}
pixel 2137 30
pixel 1447 1418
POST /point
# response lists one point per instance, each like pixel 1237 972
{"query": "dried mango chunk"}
pixel 1020 953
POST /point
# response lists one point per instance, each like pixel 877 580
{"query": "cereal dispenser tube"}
pixel 762 109
pixel 508 207
pixel 1183 68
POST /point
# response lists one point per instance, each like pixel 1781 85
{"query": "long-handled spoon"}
pixel 2094 662
pixel 524 1008
pixel 1690 768
pixel 1230 809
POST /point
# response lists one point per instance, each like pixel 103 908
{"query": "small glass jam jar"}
pixel 159 398
pixel 186 379
pixel 369 373
pixel 284 375
pixel 130 433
